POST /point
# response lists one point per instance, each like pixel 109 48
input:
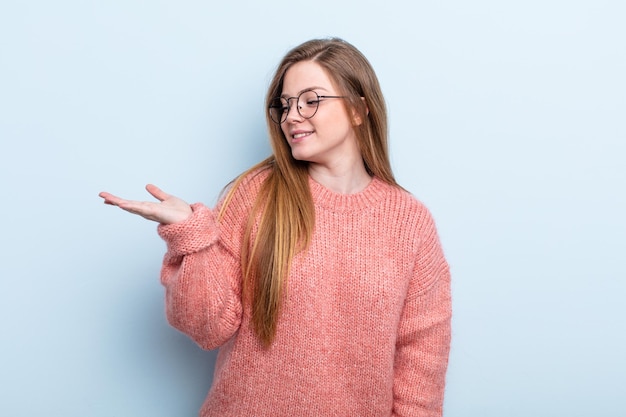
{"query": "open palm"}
pixel 169 209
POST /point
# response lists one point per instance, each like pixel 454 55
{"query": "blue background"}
pixel 507 120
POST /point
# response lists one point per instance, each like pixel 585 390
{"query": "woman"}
pixel 321 281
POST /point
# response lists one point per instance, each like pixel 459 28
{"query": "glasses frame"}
pixel 283 118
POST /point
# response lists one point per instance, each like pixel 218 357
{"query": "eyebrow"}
pixel 303 90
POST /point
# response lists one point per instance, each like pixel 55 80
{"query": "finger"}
pixel 145 209
pixel 157 192
pixel 110 198
pixel 141 208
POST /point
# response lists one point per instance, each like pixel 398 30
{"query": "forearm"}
pixel 422 353
pixel 202 296
pixel 202 280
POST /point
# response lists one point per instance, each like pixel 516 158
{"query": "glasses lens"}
pixel 307 104
pixel 278 110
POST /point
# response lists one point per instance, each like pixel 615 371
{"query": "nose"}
pixel 293 115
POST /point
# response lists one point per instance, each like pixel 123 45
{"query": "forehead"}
pixel 304 75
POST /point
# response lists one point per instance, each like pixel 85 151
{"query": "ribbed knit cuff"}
pixel 196 233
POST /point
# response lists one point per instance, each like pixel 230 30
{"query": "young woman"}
pixel 321 281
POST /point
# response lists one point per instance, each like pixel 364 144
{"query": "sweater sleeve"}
pixel 423 343
pixel 202 278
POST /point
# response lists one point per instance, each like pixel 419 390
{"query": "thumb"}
pixel 157 192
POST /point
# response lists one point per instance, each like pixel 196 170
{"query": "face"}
pixel 328 138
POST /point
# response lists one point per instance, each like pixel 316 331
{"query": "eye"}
pixel 279 105
pixel 310 99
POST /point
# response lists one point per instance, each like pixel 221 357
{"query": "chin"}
pixel 298 156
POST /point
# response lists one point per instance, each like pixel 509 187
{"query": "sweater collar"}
pixel 333 201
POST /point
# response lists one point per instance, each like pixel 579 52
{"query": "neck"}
pixel 350 180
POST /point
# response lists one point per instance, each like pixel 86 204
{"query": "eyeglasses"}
pixel 307 104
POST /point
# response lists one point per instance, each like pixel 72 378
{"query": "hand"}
pixel 168 210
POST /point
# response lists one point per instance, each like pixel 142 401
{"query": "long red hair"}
pixel 284 206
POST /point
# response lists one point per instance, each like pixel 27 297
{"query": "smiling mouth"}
pixel 301 135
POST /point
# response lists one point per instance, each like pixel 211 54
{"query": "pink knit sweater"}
pixel 365 325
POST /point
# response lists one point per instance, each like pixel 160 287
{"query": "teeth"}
pixel 299 135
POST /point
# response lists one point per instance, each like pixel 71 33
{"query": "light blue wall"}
pixel 507 120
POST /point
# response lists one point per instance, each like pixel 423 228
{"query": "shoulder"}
pixel 431 265
pixel 235 205
pixel 406 203
pixel 246 184
pixel 410 213
pixel 239 195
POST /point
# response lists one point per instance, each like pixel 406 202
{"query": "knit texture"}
pixel 365 324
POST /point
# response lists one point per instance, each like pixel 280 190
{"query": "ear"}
pixel 356 117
